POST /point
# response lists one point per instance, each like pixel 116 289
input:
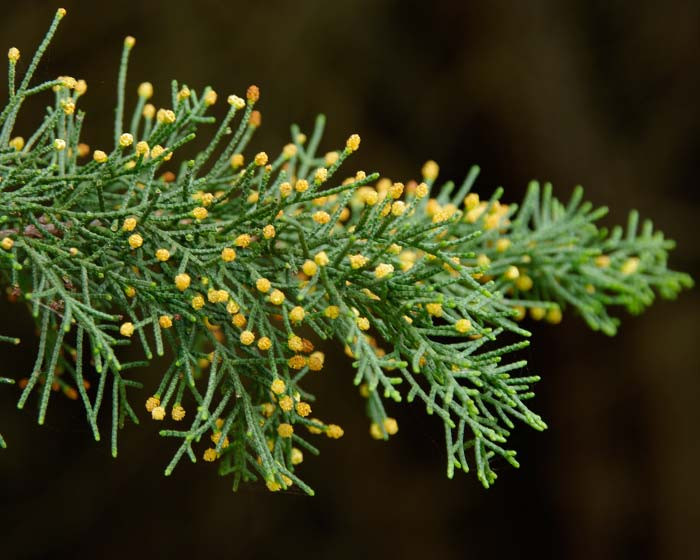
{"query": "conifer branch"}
pixel 234 271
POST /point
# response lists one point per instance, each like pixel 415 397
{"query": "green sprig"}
pixel 233 272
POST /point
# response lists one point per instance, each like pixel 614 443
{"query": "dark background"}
pixel 594 92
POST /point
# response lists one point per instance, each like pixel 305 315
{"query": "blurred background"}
pixel 600 93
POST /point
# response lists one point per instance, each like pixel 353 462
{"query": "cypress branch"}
pixel 235 272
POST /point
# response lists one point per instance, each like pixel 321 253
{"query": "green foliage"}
pixel 134 249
